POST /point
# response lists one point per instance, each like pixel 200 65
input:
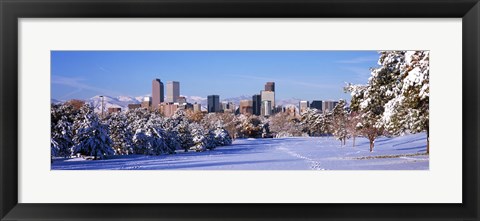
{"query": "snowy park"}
pixel 295 153
pixel 381 124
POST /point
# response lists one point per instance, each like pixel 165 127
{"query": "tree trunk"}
pixel 371 145
pixel 353 141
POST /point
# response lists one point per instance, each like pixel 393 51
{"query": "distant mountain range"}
pixel 124 101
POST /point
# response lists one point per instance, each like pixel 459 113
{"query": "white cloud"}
pixel 359 60
pixel 78 85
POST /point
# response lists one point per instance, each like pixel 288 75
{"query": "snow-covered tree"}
pixel 61 137
pixel 182 127
pixel 309 120
pixel 92 137
pixel 370 111
pixel 142 142
pixel 401 76
pixel 202 138
pixel 150 137
pixel 62 117
pixel 352 125
pixel 54 148
pixel 230 122
pixel 221 136
pixel 325 122
pixel 340 121
pixel 251 126
pixel 408 110
pixel 284 125
pixel 120 133
pixel 158 138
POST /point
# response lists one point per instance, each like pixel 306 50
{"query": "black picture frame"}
pixel 12 10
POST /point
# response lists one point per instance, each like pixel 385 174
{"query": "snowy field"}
pixel 299 153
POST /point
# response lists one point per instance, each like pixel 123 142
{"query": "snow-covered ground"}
pixel 298 153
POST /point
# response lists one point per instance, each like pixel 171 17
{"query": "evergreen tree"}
pixel 61 137
pixel 396 96
pixel 340 121
pixel 202 139
pixel 310 121
pixel 408 111
pixel 158 138
pixel 91 136
pixel 142 142
pixel 325 123
pixel 180 124
pixel 221 136
pixel 369 111
pixel 61 127
pixel 150 138
pixel 120 133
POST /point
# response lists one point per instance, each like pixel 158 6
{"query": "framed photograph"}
pixel 239 110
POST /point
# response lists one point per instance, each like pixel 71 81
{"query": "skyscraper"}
pixel 182 100
pixel 213 103
pixel 227 107
pixel 270 86
pixel 329 105
pixel 246 107
pixel 197 108
pixel 146 103
pixel 303 105
pixel 267 96
pixel 173 91
pixel 266 108
pixel 317 105
pixel 157 93
pixel 257 104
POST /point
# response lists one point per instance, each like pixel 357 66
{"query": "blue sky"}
pixel 308 75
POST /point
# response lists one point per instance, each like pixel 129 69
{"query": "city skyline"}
pixel 307 75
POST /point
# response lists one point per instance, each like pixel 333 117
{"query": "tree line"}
pixel 395 101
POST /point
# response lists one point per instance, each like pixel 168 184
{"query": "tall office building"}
pixel 227 107
pixel 257 104
pixel 246 107
pixel 329 105
pixel 146 103
pixel 267 96
pixel 303 106
pixel 317 105
pixel 134 106
pixel 291 110
pixel 266 108
pixel 173 91
pixel 277 109
pixel 213 103
pixel 157 93
pixel 270 86
pixel 197 108
pixel 168 109
pixel 182 100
